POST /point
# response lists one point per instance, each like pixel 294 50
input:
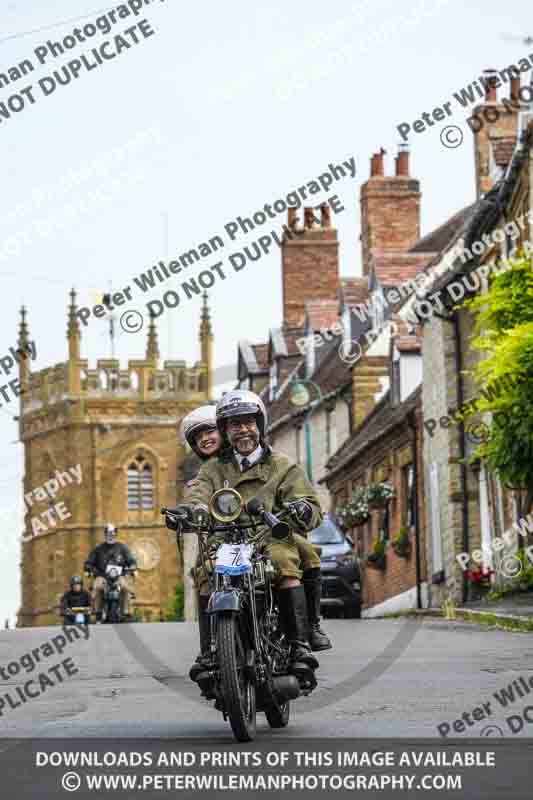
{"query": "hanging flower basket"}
pixel 379 494
pixel 377 559
pixel 356 511
pixel 481 577
pixel 401 544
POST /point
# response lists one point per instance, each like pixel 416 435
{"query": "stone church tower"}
pixel 121 427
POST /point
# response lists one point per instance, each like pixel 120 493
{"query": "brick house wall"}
pixel 388 459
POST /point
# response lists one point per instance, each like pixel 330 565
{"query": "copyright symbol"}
pixel 71 781
pixel 492 730
pixel 131 321
pixel 510 567
pixel 451 136
pixel 345 352
pixel 478 433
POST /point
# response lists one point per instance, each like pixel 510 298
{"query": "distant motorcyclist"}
pixel 75 597
pixel 111 551
pixel 249 465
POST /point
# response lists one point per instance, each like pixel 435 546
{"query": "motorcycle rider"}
pixel 74 597
pixel 248 464
pixel 115 552
pixel 199 429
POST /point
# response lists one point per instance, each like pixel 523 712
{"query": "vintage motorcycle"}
pixel 248 649
pixel 111 608
pixel 77 615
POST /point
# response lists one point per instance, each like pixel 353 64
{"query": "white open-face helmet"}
pixel 203 418
pixel 110 533
pixel 240 402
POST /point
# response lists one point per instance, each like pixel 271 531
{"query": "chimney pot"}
pixel 292 217
pixel 376 165
pixel 515 88
pixel 402 160
pixel 325 215
pixel 309 217
pixel 491 94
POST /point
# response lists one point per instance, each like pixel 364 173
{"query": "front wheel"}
pixel 113 616
pixel 238 690
pixel 278 717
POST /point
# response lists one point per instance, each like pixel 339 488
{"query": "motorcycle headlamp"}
pixel 226 505
pixel 113 572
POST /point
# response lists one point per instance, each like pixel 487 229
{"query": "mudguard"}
pixel 224 601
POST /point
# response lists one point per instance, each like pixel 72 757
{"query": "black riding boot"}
pixel 293 621
pixel 203 661
pixel 318 640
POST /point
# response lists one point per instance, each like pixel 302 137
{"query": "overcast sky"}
pixel 227 107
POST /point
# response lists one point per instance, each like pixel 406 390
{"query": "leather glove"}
pixel 187 512
pixel 301 512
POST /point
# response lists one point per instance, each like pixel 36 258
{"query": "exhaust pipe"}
pixel 286 687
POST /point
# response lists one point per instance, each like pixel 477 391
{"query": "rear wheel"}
pixel 238 689
pixel 278 717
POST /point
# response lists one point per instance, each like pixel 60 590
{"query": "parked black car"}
pixel 341 576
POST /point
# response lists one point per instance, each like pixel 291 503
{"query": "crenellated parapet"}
pixel 74 384
pixel 139 380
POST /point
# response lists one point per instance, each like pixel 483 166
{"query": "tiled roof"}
pixel 331 373
pixel 438 239
pixel 382 419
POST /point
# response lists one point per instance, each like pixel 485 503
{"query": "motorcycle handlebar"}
pixel 175 512
pixel 280 530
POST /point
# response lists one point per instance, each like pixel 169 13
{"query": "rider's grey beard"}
pixel 245 445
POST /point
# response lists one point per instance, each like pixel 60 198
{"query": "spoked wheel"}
pixel 237 688
pixel 278 717
pixel 112 612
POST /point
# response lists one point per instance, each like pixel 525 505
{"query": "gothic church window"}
pixel 140 485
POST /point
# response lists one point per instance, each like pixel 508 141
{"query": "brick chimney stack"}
pixel 495 128
pixel 309 263
pixel 390 208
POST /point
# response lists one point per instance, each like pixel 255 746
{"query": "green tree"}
pixel 504 335
pixel 174 610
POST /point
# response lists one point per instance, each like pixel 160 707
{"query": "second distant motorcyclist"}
pixel 111 551
pixel 75 597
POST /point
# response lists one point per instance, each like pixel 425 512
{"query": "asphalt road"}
pixel 384 678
